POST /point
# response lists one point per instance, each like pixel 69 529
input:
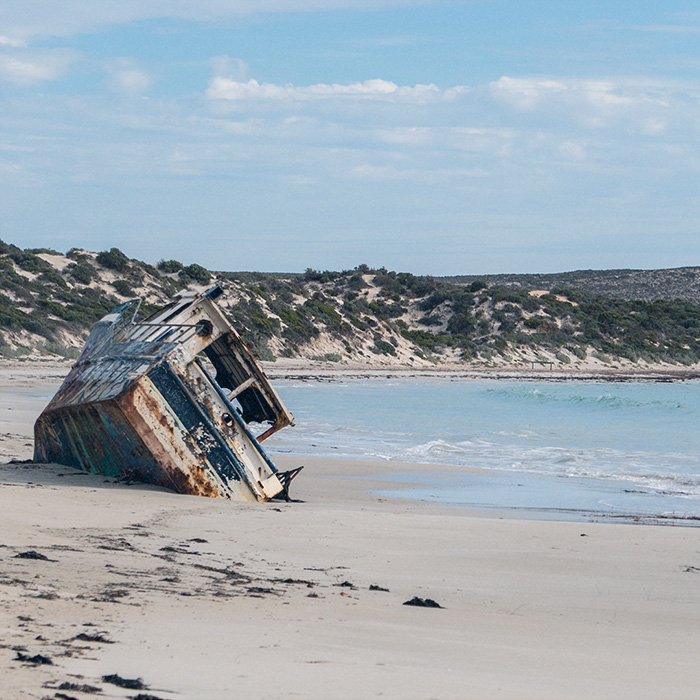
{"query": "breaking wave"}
pixel 606 400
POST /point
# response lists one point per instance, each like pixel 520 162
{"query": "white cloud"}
pixel 653 126
pixel 32 67
pixel 409 114
pixel 9 168
pixel 668 29
pixel 126 76
pixel 648 106
pixel 385 172
pixel 226 89
pixel 288 158
pixel 573 150
pixel 526 93
pixel 6 41
pixel 532 92
pixel 229 67
pixel 132 81
pixel 410 136
pixel 299 180
pixel 418 174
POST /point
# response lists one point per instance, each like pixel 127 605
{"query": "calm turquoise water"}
pixel 615 448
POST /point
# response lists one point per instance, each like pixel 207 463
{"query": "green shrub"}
pixel 123 288
pixel 430 321
pixel 82 271
pixel 69 353
pixel 52 277
pixel 435 299
pixel 311 275
pixel 268 325
pixel 426 340
pixel 261 349
pixel 461 324
pixel 355 282
pixel 196 273
pixel 30 262
pixel 381 347
pixel 114 259
pixel 327 357
pixel 299 329
pixel 324 313
pixel 13 353
pixel 169 266
pixel 45 251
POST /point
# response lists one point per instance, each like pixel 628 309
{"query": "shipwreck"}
pixel 172 400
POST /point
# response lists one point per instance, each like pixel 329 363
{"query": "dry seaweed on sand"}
pixel 93 638
pixel 422 602
pixel 79 687
pixel 130 683
pixel 37 659
pixel 31 554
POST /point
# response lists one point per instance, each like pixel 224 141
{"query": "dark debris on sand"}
pixel 37 659
pixel 93 638
pixel 31 554
pixel 346 584
pixel 299 581
pixel 129 683
pixel 423 602
pixel 80 687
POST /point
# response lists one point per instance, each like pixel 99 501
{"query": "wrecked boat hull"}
pixel 146 402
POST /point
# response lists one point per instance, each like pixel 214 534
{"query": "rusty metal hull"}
pixel 167 402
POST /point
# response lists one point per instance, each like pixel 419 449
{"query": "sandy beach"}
pixel 590 370
pixel 102 582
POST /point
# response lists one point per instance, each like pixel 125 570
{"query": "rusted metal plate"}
pixel 168 402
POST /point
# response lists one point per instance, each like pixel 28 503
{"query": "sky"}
pixel 441 138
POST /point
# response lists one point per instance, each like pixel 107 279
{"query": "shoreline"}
pixel 492 493
pixel 54 368
pixel 310 370
pixel 25 388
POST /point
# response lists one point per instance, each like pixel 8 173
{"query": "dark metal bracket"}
pixel 285 478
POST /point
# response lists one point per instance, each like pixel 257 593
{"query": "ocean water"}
pixel 560 447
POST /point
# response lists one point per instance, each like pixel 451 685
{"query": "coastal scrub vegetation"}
pixel 49 300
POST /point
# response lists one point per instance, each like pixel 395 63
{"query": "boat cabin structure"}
pixel 173 400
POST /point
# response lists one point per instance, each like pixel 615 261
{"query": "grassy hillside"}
pixel 632 285
pixel 48 301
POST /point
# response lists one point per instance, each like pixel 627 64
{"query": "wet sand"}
pixel 102 582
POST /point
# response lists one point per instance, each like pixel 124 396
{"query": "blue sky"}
pixel 438 138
